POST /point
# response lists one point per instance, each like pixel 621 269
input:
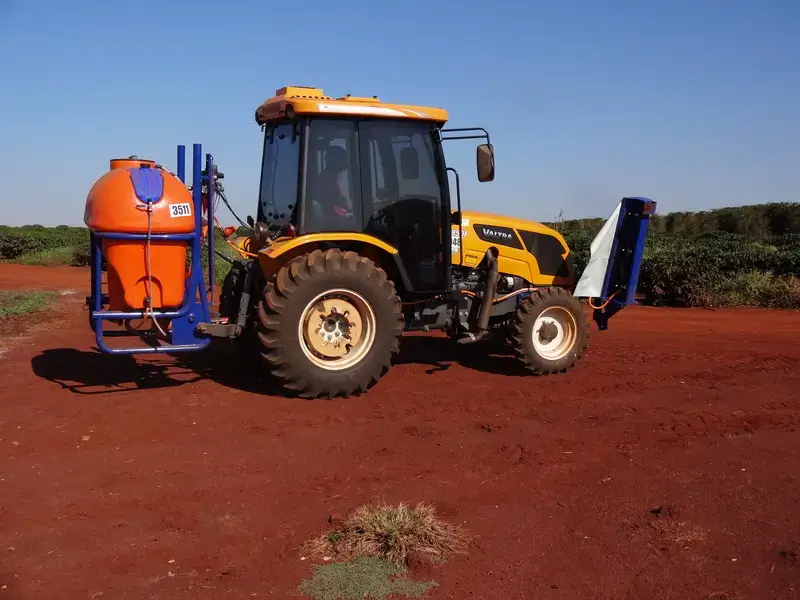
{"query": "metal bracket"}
pixel 221 330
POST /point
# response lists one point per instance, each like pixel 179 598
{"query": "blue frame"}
pixel 184 335
pixel 622 272
pixel 629 240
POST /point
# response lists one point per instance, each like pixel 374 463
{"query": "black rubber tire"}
pixel 231 291
pixel 522 330
pixel 281 308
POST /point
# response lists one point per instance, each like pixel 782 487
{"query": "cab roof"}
pixel 312 101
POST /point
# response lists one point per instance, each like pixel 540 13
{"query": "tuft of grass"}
pixel 20 303
pixel 366 577
pixel 394 533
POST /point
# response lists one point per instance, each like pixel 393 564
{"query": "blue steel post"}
pixel 182 163
pixel 97 278
pixel 197 195
pixel 210 175
pixel 92 258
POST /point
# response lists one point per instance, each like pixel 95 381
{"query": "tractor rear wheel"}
pixel 329 324
pixel 550 331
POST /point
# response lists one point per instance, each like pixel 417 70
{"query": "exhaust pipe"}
pixel 492 277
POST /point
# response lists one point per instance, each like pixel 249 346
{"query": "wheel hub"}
pixel 337 329
pixel 548 332
pixel 554 333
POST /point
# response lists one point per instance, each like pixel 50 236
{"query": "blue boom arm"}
pixel 616 257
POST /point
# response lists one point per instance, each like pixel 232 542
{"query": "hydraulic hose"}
pixel 148 301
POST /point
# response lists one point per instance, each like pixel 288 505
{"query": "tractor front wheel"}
pixel 550 331
pixel 329 324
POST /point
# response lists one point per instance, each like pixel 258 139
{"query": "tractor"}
pixel 358 238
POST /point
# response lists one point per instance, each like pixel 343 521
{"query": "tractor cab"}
pixel 337 167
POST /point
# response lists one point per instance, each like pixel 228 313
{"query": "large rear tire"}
pixel 550 331
pixel 329 324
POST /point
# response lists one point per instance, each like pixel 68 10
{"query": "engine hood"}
pixel 471 219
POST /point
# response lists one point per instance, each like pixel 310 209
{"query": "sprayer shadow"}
pixel 90 372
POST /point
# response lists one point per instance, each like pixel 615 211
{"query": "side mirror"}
pixel 250 221
pixel 485 162
pixel 409 163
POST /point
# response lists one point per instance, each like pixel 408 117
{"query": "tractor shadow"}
pixel 90 372
pixel 440 353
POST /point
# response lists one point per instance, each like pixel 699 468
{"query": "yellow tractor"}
pixel 360 237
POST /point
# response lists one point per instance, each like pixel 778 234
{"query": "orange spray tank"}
pixel 139 197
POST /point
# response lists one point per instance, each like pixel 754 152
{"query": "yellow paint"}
pixel 284 244
pixel 313 101
pixel 284 249
pixel 242 245
pixel 512 261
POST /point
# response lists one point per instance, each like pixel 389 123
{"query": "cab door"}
pixel 402 197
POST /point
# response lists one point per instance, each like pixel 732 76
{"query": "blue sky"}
pixel 694 103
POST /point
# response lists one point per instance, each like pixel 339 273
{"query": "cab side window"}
pixel 278 194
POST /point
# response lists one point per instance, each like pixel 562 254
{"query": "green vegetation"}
pixel 374 545
pixel 755 220
pixel 746 256
pixel 65 245
pixel 740 256
pixel 20 303
pixel 368 577
pixel 36 244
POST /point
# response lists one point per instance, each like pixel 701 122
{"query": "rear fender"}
pixel 274 256
pixel 612 274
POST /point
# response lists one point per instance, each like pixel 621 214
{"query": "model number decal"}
pixel 180 210
pixel 455 239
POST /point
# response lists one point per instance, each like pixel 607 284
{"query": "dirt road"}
pixel 665 466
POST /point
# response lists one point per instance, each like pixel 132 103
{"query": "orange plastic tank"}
pixel 118 203
pixel 130 162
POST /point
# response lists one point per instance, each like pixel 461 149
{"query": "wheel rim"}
pixel 337 329
pixel 554 333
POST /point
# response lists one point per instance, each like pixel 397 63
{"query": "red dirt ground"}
pixel 665 466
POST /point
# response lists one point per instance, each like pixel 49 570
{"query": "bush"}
pixel 756 220
pixel 19 241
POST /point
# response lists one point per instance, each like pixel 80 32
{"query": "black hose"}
pixel 222 256
pixel 235 216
